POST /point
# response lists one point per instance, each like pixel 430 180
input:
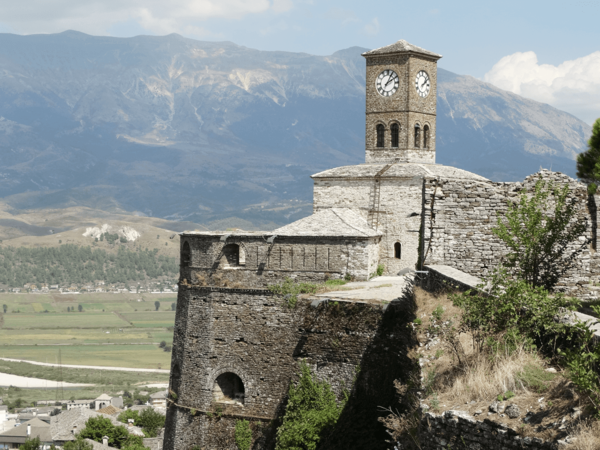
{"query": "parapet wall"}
pixel 458 218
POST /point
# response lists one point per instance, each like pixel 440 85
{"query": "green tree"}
pixel 79 308
pixel 129 414
pixel 243 435
pixel 31 444
pixel 151 422
pixel 541 232
pixel 588 162
pixel 173 306
pixel 5 308
pixel 118 436
pixel 78 444
pixel 157 304
pixel 311 411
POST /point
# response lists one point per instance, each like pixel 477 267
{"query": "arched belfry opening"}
pixel 186 254
pixel 380 135
pixel 398 250
pixel 395 134
pixel 417 135
pixel 426 136
pixel 232 256
pixel 228 388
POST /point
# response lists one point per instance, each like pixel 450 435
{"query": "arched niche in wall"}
pixel 229 388
pixel 232 255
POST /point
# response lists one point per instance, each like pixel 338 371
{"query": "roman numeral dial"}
pixel 387 83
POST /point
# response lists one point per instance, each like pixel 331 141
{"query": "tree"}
pixel 151 421
pixel 311 411
pixel 78 444
pixel 162 344
pixel 31 444
pixel 5 308
pixel 79 308
pixel 588 162
pixel 173 306
pixel 541 232
pixel 129 414
pixel 118 436
pixel 157 304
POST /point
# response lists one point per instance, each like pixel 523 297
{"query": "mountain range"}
pixel 223 135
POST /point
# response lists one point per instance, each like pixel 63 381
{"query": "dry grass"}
pixel 586 437
pixel 482 377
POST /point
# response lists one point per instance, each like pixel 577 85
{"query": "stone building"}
pixel 236 346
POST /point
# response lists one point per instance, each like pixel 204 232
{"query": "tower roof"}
pixel 401 47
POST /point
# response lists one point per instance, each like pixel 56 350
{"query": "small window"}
pixel 395 130
pixel 231 256
pixel 186 254
pixel 417 136
pixel 229 388
pixel 398 250
pixel 426 136
pixel 380 136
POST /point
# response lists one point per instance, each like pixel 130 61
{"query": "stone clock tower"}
pixel 401 104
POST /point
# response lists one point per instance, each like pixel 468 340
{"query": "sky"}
pixel 544 50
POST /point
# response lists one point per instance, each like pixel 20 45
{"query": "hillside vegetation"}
pixel 75 264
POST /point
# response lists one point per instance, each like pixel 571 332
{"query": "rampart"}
pixel 458 217
pixel 236 351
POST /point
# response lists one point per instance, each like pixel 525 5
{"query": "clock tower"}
pixel 401 104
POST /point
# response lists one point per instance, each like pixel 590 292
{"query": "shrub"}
pixel 243 435
pixel 542 235
pixel 312 410
pixel 290 289
pixel 151 421
pixel 514 309
pixel 380 270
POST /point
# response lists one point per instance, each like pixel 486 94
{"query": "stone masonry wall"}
pixel 399 217
pixel 256 336
pixel 302 258
pixel 458 430
pixel 459 216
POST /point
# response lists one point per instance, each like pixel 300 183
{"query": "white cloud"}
pixel 372 27
pixel 156 16
pixel 573 86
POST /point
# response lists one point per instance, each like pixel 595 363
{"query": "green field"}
pixel 143 356
pixel 101 335
pixel 156 319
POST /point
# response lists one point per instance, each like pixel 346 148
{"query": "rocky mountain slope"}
pixel 220 134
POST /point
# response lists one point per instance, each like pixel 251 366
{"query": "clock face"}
pixel 422 84
pixel 387 83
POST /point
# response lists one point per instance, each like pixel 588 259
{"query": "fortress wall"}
pixel 459 217
pixel 307 259
pixel 399 211
pixel 256 336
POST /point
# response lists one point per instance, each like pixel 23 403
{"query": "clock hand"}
pixel 389 81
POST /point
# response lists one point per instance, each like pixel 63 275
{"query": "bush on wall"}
pixel 311 411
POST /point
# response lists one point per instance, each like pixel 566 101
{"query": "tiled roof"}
pixel 99 445
pixel 109 410
pixel 329 222
pixel 159 395
pixel 399 170
pixel 61 426
pixel 401 46
pixel 39 429
pixel 104 397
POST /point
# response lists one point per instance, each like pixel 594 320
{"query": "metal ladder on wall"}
pixel 375 199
